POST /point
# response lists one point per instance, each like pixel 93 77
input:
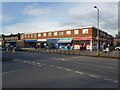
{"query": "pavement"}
pixel 47 70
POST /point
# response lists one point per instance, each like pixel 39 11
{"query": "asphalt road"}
pixel 46 70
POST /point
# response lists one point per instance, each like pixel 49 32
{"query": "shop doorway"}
pixel 82 46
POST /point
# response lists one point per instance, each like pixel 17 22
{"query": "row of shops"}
pixel 84 38
pixel 82 43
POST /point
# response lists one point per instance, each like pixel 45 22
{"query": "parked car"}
pixel 117 48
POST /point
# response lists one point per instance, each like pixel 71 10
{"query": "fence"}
pixel 110 54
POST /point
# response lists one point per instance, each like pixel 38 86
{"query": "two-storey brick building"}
pixel 80 38
pixel 84 38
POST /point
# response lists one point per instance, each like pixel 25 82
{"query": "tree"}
pixel 117 39
pixel 118 35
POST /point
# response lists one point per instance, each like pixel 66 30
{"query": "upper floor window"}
pixel 68 32
pixel 22 36
pixel 39 34
pixel 31 35
pixel 60 33
pixel 28 35
pixel 85 31
pixel 44 34
pixel 25 36
pixel 76 31
pixel 50 34
pixel 35 35
pixel 55 33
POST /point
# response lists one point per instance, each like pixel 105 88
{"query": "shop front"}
pixel 20 44
pixel 42 43
pixel 30 43
pixel 64 43
pixel 84 43
pixel 52 43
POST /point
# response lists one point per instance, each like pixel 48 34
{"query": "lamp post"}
pixel 97 28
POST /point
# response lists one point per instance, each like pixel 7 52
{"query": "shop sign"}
pixel 64 40
pixel 42 40
pixel 82 38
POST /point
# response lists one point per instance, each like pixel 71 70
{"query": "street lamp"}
pixel 97 28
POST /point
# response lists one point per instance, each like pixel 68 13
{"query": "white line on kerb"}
pixel 68 69
pixel 79 72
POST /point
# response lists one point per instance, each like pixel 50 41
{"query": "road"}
pixel 47 70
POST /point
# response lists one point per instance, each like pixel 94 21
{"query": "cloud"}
pixel 4 18
pixel 31 27
pixel 84 14
pixel 34 10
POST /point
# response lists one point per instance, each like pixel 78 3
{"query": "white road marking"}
pixel 59 67
pixel 44 64
pixel 95 65
pixel 38 63
pixel 108 79
pixel 34 64
pixel 115 81
pixel 94 76
pixel 68 69
pixel 51 66
pixel 63 59
pixel 79 72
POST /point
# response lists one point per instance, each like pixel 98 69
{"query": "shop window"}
pixel 44 34
pixel 50 34
pixel 68 32
pixel 55 33
pixel 60 33
pixel 76 31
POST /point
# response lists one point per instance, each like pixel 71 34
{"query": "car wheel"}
pixel 117 49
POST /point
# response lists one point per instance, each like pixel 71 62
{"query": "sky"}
pixel 30 17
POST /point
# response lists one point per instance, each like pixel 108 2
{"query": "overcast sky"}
pixel 31 17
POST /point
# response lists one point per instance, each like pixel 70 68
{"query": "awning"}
pixel 30 40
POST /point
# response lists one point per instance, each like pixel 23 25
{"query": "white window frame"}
pixel 55 33
pixel 39 34
pixel 44 34
pixel 49 33
pixel 35 35
pixel 85 31
pixel 68 32
pixel 76 31
pixel 31 35
pixel 60 33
